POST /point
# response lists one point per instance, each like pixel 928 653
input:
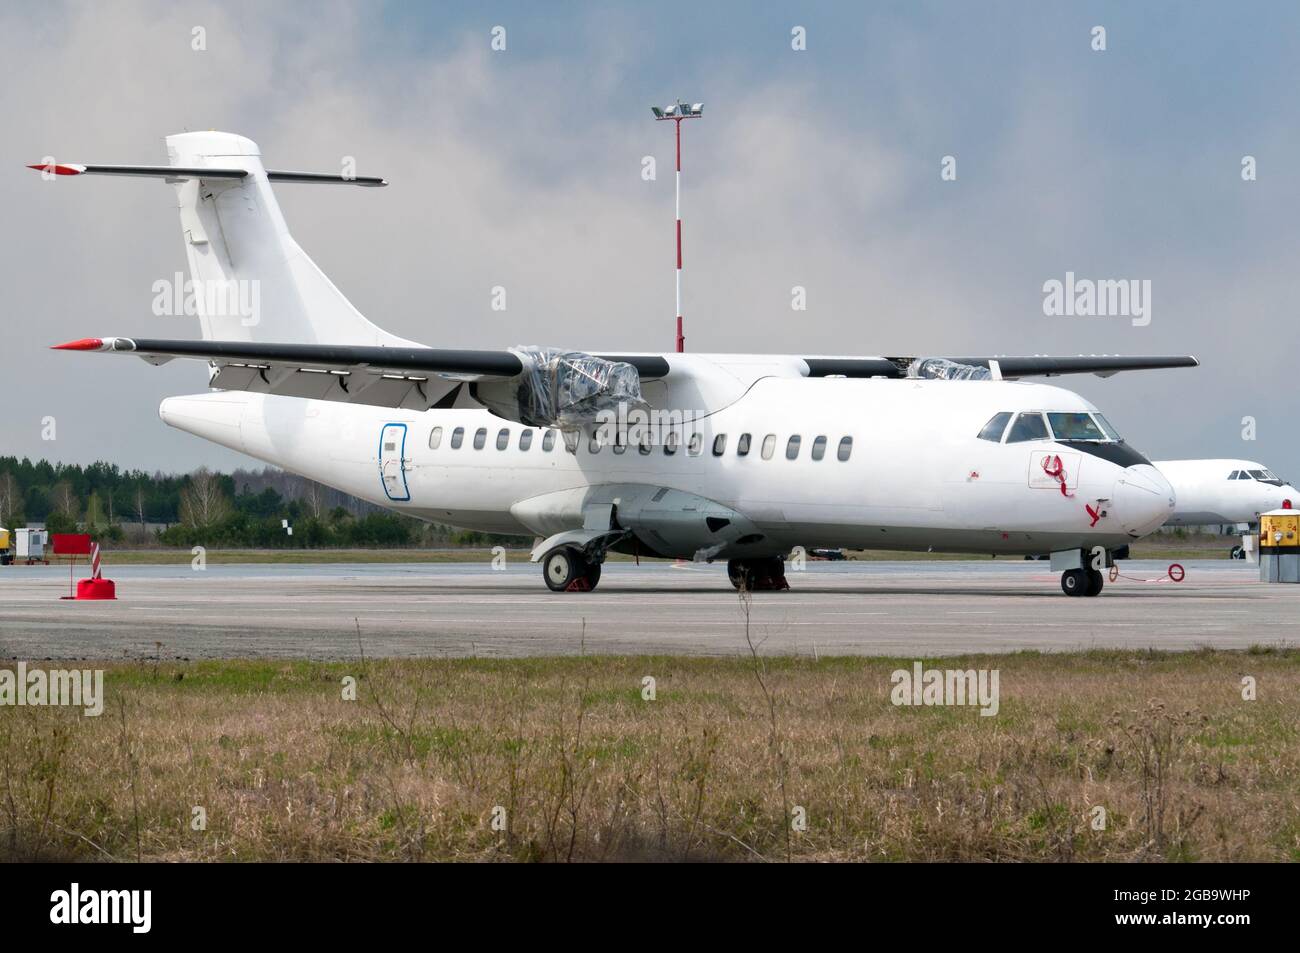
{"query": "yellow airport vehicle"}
pixel 6 548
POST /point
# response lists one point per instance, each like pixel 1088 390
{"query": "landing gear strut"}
pixel 1082 582
pixel 566 569
pixel 758 575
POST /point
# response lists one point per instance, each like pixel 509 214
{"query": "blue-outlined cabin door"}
pixel 393 463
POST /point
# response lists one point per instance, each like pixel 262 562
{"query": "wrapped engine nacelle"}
pixel 942 369
pixel 567 390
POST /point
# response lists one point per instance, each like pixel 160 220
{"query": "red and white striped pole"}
pixel 94 561
pixel 677 113
pixel 681 337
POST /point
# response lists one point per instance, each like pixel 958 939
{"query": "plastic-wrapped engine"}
pixel 942 369
pixel 563 389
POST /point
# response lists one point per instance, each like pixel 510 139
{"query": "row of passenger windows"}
pixel 694 446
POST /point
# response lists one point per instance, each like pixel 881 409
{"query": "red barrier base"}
pixel 96 589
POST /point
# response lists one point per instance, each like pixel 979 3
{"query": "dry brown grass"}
pixel 585 769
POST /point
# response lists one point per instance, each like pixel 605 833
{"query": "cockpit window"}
pixel 1110 432
pixel 993 429
pixel 1265 476
pixel 1234 474
pixel 1075 427
pixel 1027 427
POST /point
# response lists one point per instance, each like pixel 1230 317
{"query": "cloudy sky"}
pixel 818 168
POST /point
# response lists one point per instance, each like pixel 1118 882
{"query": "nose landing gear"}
pixel 1082 582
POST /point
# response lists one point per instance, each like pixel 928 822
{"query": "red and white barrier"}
pixel 96 587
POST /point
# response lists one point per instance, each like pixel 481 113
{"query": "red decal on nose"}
pixel 1055 469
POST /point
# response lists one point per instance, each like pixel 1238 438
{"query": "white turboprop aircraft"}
pixel 730 457
pixel 1224 491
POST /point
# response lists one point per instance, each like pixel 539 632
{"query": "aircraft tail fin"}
pixel 236 239
pixel 250 281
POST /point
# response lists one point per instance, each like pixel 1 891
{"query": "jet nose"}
pixel 1143 499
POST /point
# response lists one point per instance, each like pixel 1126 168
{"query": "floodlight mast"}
pixel 677 113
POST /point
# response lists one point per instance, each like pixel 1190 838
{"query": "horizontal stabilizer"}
pixel 174 173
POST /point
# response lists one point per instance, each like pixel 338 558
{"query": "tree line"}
pixel 244 508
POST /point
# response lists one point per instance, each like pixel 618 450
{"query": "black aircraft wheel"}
pixel 592 575
pixel 739 574
pixel 1095 582
pixel 1074 582
pixel 1237 553
pixel 560 567
pixel 758 575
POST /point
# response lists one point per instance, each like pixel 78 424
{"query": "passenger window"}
pixel 619 446
pixel 670 442
pixel 742 445
pixel 646 445
pixel 846 447
pixel 503 438
pixel 769 446
pixel 993 429
pixel 719 444
pixel 435 438
pixel 593 445
pixel 695 445
pixel 548 441
pixel 457 438
pixel 525 439
pixel 792 448
pixel 571 438
pixel 480 438
pixel 1027 427
pixel 819 448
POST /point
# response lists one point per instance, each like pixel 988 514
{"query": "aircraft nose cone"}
pixel 1143 499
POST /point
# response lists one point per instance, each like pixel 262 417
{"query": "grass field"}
pixel 564 759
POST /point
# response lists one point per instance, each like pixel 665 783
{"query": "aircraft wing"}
pixel 1103 365
pixel 414 378
pixel 417 378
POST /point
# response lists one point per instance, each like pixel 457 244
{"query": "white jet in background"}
pixel 1224 491
pixel 750 456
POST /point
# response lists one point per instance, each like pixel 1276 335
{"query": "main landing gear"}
pixel 758 575
pixel 566 569
pixel 1082 582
